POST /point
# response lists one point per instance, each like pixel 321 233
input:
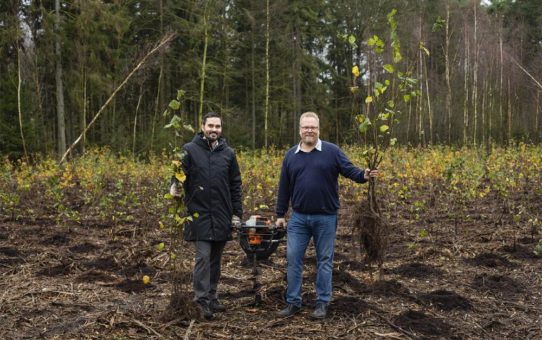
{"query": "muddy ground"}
pixel 474 277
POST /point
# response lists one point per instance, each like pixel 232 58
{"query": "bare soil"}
pixel 466 279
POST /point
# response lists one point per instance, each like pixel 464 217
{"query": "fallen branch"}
pixel 394 326
pixel 165 40
pixel 149 329
pixel 525 71
pixel 188 330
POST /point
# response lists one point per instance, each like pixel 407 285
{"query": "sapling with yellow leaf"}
pixel 177 215
pixel 376 111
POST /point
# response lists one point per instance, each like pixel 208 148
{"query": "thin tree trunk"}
pixel 61 123
pixel 490 108
pixel 429 110
pixel 475 75
pixel 46 141
pixel 135 119
pixel 501 90
pixel 84 109
pixel 537 127
pixel 447 72
pixel 419 106
pixel 266 114
pixel 466 88
pixel 294 86
pixel 483 110
pixel 509 112
pixel 253 88
pixel 160 76
pixel 19 109
pixel 156 105
pixel 224 100
pixel 204 63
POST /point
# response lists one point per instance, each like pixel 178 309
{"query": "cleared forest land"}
pixel 464 261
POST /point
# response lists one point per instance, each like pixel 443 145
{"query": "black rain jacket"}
pixel 212 189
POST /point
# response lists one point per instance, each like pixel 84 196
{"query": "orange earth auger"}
pixel 259 238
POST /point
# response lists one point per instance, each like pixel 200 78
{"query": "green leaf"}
pixel 384 128
pixel 180 94
pixel 352 39
pixel 174 105
pixel 368 100
pixel 360 118
pixel 160 246
pixel 393 141
pixel 397 57
pixel 174 122
pixel 384 116
pixel 168 196
pixel 389 68
pixel 391 104
pixel 406 98
pixel 363 127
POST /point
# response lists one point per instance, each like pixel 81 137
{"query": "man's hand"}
pixel 173 191
pixel 281 223
pixel 235 222
pixel 370 173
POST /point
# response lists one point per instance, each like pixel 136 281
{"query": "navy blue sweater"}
pixel 310 180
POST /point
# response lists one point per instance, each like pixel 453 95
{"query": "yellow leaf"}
pixel 146 279
pixel 180 176
pixel 355 71
pixel 369 99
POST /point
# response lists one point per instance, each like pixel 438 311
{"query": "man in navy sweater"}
pixel 309 181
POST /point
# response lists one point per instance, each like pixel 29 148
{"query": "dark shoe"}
pixel 205 310
pixel 289 310
pixel 216 306
pixel 320 312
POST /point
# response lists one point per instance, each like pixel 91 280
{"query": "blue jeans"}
pixel 300 229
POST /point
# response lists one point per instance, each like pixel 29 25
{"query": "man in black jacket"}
pixel 213 190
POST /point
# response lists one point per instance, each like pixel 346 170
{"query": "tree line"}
pixel 261 64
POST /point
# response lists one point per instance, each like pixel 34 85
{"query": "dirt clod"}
pixel 446 300
pixel 417 270
pixel 419 323
pixel 490 260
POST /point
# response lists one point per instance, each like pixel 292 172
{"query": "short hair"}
pixel 309 114
pixel 210 115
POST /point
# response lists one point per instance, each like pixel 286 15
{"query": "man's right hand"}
pixel 281 223
pixel 173 191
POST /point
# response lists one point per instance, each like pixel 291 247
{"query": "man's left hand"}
pixel 370 173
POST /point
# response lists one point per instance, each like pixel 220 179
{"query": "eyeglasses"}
pixel 307 128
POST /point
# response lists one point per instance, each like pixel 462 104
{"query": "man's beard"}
pixel 310 140
pixel 212 137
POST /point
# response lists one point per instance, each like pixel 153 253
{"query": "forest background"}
pixel 261 64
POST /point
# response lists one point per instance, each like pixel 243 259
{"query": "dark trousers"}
pixel 207 269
